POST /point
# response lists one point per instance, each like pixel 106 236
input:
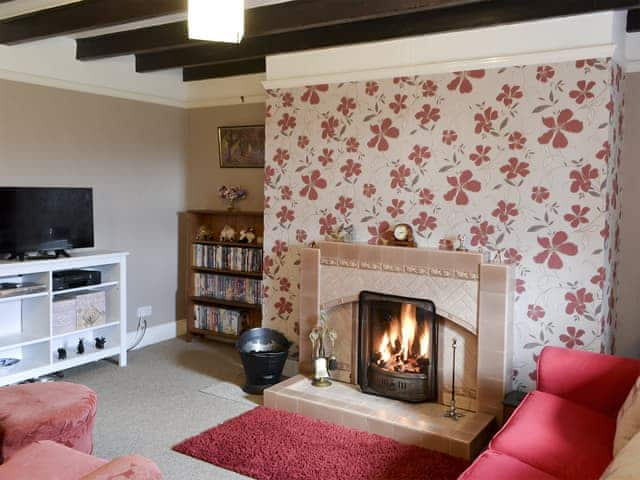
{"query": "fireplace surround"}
pixel 398 347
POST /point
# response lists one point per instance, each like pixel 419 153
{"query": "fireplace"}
pixel 398 341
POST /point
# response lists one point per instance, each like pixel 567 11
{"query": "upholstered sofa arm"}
pixel 133 467
pixel 600 382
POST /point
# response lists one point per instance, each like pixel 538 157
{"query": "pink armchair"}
pixel 48 460
pixel 565 429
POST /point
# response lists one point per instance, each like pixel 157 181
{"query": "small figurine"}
pixel 62 354
pixel 499 256
pixel 80 349
pixel 100 341
pixel 228 234
pixel 461 243
pixel 204 234
pixel 247 235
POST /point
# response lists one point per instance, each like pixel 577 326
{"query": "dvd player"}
pixel 68 279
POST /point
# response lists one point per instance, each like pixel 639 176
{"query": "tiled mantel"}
pixel 474 301
pixel 473 298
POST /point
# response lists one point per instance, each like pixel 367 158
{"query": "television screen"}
pixel 45 219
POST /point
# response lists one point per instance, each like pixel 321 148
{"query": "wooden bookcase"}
pixel 215 221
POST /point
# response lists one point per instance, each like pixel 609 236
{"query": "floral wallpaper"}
pixel 522 160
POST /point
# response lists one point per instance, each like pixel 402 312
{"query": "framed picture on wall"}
pixel 241 147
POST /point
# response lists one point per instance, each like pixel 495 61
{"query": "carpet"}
pixel 233 392
pixel 268 444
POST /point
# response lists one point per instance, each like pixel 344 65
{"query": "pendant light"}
pixel 216 20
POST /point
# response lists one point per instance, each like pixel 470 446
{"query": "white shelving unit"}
pixel 26 330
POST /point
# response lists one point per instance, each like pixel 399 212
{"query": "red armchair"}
pixel 565 429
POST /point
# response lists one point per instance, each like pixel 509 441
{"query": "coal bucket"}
pixel 263 352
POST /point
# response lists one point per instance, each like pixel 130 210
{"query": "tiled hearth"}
pixel 474 301
pixel 416 424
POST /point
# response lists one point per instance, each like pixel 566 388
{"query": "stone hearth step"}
pixel 421 424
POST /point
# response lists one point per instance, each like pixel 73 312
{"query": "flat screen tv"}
pixel 45 220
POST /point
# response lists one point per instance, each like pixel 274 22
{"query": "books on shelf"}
pixel 221 287
pixel 223 257
pixel 220 320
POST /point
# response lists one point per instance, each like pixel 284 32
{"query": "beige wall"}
pixel 131 153
pixel 628 331
pixel 204 174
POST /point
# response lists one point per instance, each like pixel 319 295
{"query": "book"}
pixel 221 287
pixel 222 257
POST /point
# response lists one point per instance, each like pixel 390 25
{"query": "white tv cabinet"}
pixel 26 321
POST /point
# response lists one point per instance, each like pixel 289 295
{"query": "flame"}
pixel 424 344
pixel 400 347
pixel 409 327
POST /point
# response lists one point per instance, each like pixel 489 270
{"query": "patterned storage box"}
pixel 91 309
pixel 64 315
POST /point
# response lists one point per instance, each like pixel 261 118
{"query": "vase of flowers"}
pixel 231 195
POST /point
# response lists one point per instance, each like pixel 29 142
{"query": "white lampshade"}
pixel 216 20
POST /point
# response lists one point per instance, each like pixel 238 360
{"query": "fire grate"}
pixel 397 347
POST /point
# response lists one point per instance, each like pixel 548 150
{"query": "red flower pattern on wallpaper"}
pixel 554 247
pixel 311 93
pixel 572 338
pixel 577 302
pixel 558 126
pixel 380 134
pixel 428 114
pixel 481 155
pixel 461 185
pixel 312 183
pixel 468 152
pixel 582 178
pixel 462 81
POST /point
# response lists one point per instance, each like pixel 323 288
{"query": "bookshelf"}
pixel 232 270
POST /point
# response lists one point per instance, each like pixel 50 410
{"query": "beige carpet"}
pixel 156 402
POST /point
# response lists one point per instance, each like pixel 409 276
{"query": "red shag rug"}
pixel 268 444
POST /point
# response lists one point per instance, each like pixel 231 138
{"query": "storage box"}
pixel 64 315
pixel 91 309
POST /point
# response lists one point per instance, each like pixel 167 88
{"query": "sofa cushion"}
pixel 492 465
pixel 625 465
pixel 628 423
pixel 48 461
pixel 559 437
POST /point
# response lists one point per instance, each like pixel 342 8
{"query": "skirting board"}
pixel 159 333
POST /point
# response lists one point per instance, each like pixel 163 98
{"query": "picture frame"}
pixel 241 146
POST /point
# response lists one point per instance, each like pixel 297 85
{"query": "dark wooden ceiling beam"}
pixel 82 16
pixel 305 14
pixel 633 20
pixel 222 70
pixel 481 14
pixel 141 40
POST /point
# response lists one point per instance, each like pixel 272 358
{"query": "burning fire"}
pixel 400 348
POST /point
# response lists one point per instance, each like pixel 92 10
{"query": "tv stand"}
pixel 21 257
pixel 30 332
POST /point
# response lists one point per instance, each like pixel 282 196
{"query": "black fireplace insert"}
pixel 398 347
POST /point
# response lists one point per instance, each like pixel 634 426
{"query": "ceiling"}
pixel 154 33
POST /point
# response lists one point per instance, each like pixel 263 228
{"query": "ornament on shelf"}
pixel 461 247
pixel 228 234
pixel 100 342
pixel 231 195
pixel 62 354
pixel 402 236
pixel 80 348
pixel 247 235
pixel 499 256
pixel 204 234
pixel 445 244
pixel 341 234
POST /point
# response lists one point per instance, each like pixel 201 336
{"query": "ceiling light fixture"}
pixel 216 20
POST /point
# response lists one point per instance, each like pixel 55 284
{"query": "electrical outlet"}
pixel 144 312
